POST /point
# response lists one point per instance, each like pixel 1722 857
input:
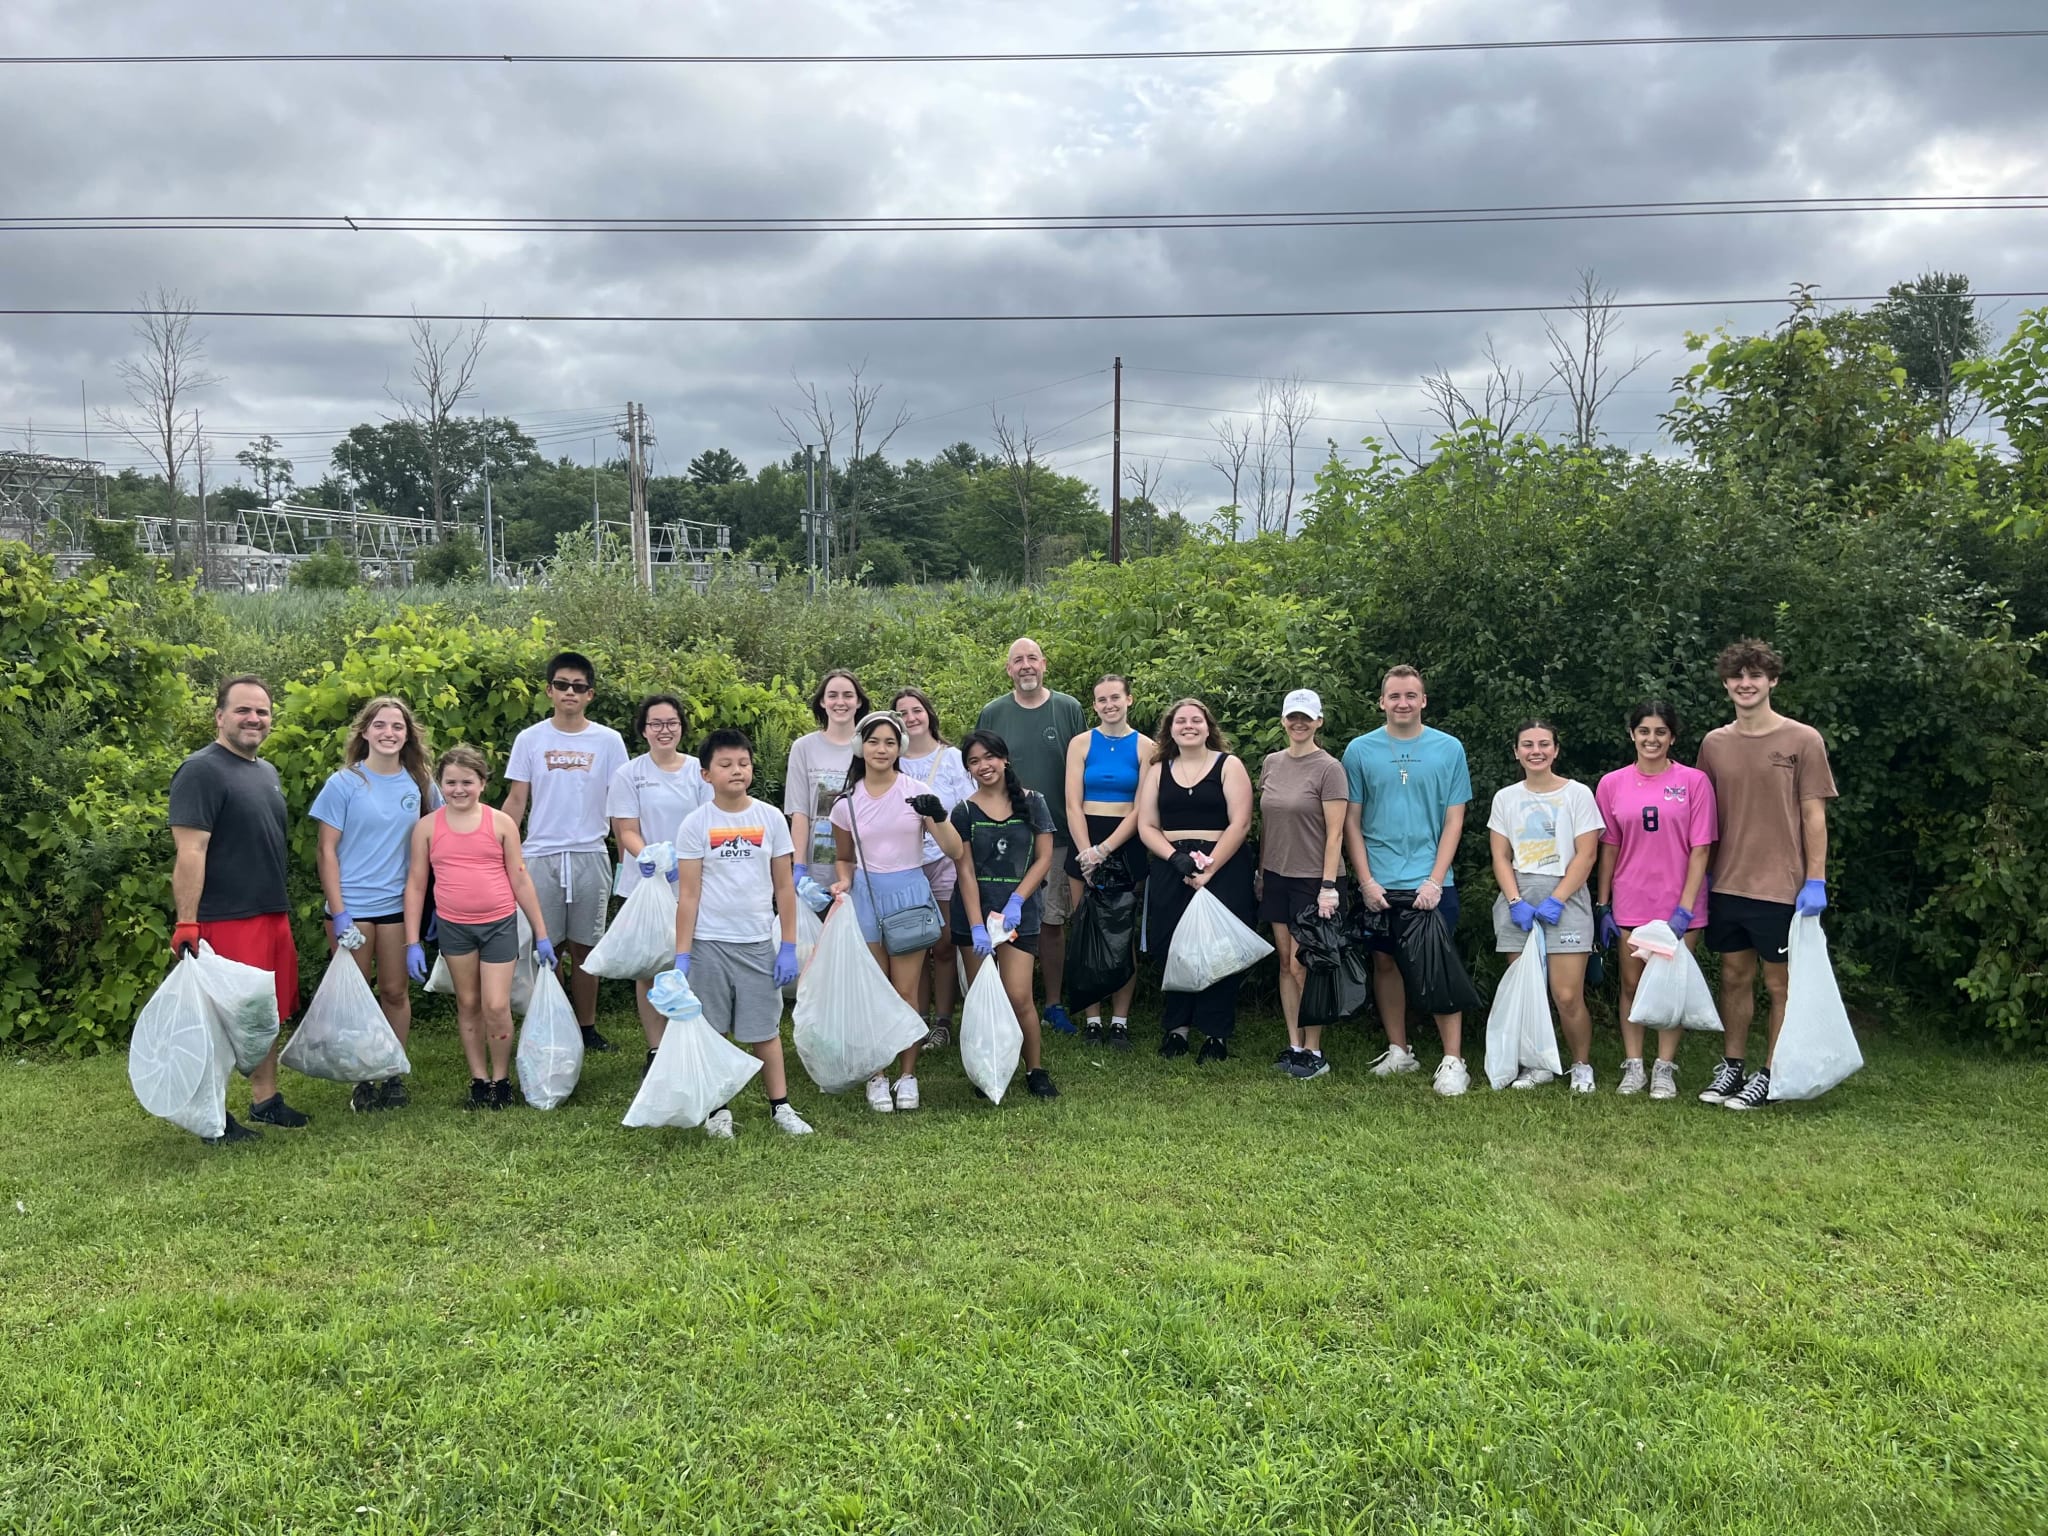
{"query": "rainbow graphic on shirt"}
pixel 736 841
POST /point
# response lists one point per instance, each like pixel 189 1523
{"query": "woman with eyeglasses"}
pixel 647 802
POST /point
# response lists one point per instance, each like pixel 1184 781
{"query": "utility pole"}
pixel 199 458
pixel 636 496
pixel 490 549
pixel 811 516
pixel 825 542
pixel 596 518
pixel 1116 467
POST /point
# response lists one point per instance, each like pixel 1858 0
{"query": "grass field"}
pixel 1178 1299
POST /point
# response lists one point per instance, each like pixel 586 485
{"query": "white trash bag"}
pixel 344 1036
pixel 696 1069
pixel 808 926
pixel 178 1059
pixel 1519 1030
pixel 524 969
pixel 1672 992
pixel 991 1039
pixel 850 1023
pixel 1816 1047
pixel 244 1003
pixel 641 942
pixel 550 1052
pixel 1209 945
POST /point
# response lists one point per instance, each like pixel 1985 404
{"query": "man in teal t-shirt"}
pixel 1409 788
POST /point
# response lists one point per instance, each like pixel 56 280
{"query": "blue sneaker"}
pixel 1056 1016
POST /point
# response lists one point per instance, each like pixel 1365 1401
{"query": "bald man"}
pixel 1037 723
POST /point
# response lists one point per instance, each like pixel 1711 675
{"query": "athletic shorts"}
pixel 1287 896
pixel 1737 923
pixel 942 875
pixel 575 891
pixel 266 943
pixel 1057 897
pixel 1571 934
pixel 878 896
pixel 1026 943
pixel 1446 908
pixel 736 985
pixel 389 917
pixel 494 943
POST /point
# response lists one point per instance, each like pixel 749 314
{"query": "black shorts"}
pixel 1027 943
pixel 394 917
pixel 1287 896
pixel 1736 923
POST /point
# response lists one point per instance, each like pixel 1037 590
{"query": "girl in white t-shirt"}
pixel 1545 833
pixel 929 760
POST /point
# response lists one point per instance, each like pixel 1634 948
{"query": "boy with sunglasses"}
pixel 562 767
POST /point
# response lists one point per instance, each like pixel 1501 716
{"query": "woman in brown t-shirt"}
pixel 1302 800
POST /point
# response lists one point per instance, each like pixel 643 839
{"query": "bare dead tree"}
pixel 1579 356
pixel 160 383
pixel 1017 453
pixel 811 424
pixel 1233 448
pixel 1505 405
pixel 1289 405
pixel 444 375
pixel 871 434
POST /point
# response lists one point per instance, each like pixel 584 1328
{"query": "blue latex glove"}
pixel 798 871
pixel 433 929
pixel 416 961
pixel 544 952
pixel 1681 919
pixel 340 922
pixel 1013 912
pixel 981 943
pixel 813 895
pixel 683 961
pixel 785 964
pixel 1609 933
pixel 647 866
pixel 1813 898
pixel 1522 915
pixel 1548 911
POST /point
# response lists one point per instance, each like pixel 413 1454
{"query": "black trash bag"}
pixel 1435 977
pixel 1339 968
pixel 1101 955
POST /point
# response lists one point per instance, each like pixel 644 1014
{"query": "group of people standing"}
pixel 998 840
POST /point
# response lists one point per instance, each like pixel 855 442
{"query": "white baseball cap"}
pixel 1303 701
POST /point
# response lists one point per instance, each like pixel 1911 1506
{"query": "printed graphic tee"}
pixel 1544 829
pixel 375 814
pixel 1655 820
pixel 570 774
pixel 738 850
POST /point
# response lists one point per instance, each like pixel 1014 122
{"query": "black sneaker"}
pixel 593 1041
pixel 274 1111
pixel 501 1094
pixel 1284 1062
pixel 479 1094
pixel 1308 1064
pixel 1175 1043
pixel 393 1094
pixel 1727 1080
pixel 366 1097
pixel 1092 1034
pixel 1039 1082
pixel 1213 1049
pixel 236 1131
pixel 649 1067
pixel 1756 1092
pixel 1119 1037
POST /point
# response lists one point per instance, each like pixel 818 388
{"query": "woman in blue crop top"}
pixel 1194 813
pixel 1103 768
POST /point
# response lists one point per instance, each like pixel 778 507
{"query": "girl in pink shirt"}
pixel 1660 830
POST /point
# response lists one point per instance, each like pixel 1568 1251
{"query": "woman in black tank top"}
pixel 1194 813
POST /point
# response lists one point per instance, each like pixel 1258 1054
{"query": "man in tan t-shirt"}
pixel 1772 784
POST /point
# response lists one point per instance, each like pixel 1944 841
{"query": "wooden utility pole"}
pixel 199 454
pixel 636 496
pixel 1116 465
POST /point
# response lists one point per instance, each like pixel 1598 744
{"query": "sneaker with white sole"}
pixel 1633 1078
pixel 1755 1094
pixel 719 1125
pixel 1395 1059
pixel 1533 1077
pixel 788 1121
pixel 1664 1080
pixel 1582 1077
pixel 906 1092
pixel 1451 1077
pixel 878 1095
pixel 1727 1079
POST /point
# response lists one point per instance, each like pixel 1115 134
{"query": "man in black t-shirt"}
pixel 228 827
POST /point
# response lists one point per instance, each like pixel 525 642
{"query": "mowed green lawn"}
pixel 1178 1299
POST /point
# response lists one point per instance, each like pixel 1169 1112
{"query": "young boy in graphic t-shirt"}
pixel 1772 784
pixel 736 918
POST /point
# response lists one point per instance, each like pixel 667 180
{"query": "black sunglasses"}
pixel 568 687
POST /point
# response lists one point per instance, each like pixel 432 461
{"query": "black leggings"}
pixel 1213 1010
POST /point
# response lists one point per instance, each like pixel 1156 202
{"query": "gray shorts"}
pixel 736 985
pixel 575 914
pixel 1571 935
pixel 493 943
pixel 1058 904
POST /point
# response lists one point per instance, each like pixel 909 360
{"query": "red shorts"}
pixel 266 943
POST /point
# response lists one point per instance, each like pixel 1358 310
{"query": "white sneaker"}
pixel 1582 1077
pixel 1451 1077
pixel 1664 1080
pixel 1395 1059
pixel 1534 1077
pixel 906 1092
pixel 878 1095
pixel 719 1126
pixel 788 1121
pixel 1633 1078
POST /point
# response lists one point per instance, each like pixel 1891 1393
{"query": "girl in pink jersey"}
pixel 1660 830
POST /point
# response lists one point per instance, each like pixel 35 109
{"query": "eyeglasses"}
pixel 664 725
pixel 563 685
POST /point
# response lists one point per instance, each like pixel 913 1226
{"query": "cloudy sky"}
pixel 1413 131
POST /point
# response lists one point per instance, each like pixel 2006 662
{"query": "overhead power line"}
pixel 1057 223
pixel 1078 56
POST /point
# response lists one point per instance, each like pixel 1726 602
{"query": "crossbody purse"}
pixel 911 930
